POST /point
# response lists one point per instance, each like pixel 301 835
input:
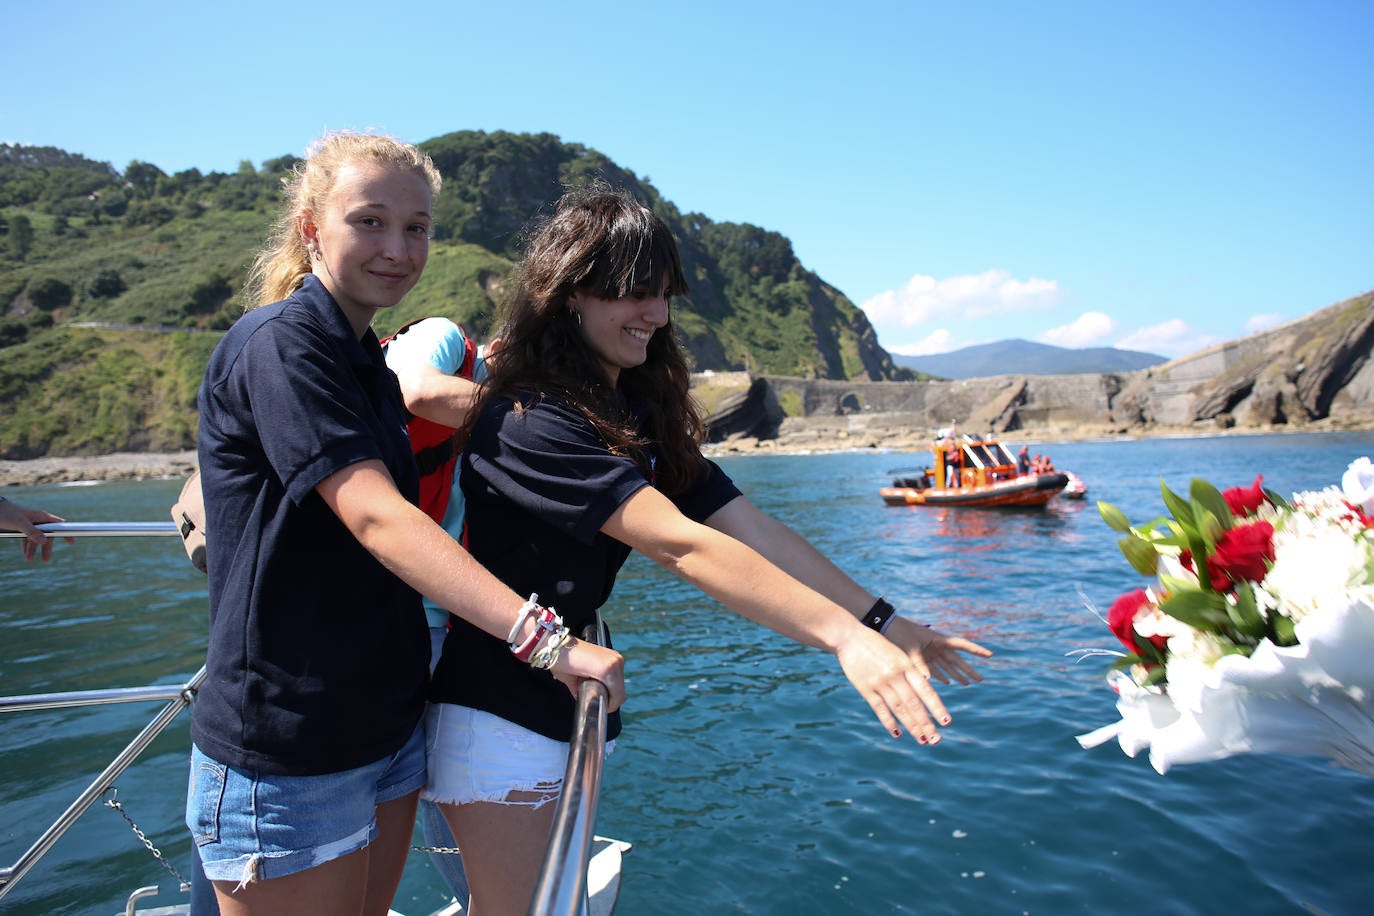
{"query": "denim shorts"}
pixel 475 756
pixel 251 826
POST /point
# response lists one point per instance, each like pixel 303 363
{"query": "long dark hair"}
pixel 602 242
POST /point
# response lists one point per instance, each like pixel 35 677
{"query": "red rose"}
pixel 1245 500
pixel 1121 619
pixel 1243 553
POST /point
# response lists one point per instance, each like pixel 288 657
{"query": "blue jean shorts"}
pixel 250 826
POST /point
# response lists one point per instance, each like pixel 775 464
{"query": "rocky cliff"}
pixel 1315 372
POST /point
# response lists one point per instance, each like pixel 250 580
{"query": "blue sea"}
pixel 750 777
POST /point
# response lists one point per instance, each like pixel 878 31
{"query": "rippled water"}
pixel 750 777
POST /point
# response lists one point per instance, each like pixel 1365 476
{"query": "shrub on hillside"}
pixel 106 284
pixel 49 293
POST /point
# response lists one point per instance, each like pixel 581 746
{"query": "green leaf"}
pixel 1154 676
pixel 1245 615
pixel 1198 547
pixel 1177 536
pixel 1140 553
pixel 1200 610
pixel 1210 498
pixel 1209 527
pixel 1282 632
pixel 1179 507
pixel 1278 501
pixel 1114 517
pixel 1175 585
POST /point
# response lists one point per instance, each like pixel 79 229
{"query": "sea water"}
pixel 750 777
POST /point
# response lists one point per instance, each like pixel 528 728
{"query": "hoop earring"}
pixel 577 316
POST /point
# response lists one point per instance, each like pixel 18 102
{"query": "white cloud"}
pixel 1090 329
pixel 924 299
pixel 1256 323
pixel 940 341
pixel 1168 338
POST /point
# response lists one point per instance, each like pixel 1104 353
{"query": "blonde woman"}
pixel 308 752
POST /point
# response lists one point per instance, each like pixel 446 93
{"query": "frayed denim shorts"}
pixel 475 756
pixel 251 826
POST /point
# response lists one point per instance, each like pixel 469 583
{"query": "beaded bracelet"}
pixel 548 654
pixel 880 616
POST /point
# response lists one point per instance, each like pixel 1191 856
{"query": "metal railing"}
pixel 562 886
pixel 176 697
pixel 102 529
pixel 561 889
pixel 181 698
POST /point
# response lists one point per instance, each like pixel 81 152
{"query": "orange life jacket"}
pixel 435 445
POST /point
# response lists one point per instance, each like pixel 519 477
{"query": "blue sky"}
pixel 1157 176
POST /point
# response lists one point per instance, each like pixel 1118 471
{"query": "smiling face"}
pixel 370 239
pixel 619 330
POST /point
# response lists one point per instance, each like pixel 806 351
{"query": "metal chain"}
pixel 113 802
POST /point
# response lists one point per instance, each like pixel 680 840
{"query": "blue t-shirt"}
pixel 440 343
pixel 318 655
pixel 539 484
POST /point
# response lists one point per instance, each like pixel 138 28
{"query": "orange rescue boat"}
pixel 983 474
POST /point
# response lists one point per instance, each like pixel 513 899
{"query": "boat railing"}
pixel 562 886
pixel 175 697
pixel 561 889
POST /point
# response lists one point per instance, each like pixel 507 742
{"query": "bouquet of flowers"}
pixel 1257 634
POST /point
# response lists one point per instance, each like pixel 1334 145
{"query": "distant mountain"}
pixel 1024 357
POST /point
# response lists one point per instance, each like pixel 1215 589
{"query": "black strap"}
pixel 430 459
pixel 878 615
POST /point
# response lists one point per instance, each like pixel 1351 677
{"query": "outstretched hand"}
pixel 938 654
pixel 895 677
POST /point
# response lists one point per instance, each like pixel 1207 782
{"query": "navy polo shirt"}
pixel 539 483
pixel 318 655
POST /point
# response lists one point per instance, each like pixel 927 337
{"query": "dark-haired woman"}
pixel 585 446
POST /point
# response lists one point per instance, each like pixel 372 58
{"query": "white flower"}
pixel 1151 621
pixel 1192 655
pixel 1320 559
pixel 1358 484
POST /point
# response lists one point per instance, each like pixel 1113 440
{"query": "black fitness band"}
pixel 880 615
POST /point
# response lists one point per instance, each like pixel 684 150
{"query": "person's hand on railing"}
pixel 14 517
pixel 581 659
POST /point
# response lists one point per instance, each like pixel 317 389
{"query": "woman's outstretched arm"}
pixel 796 556
pixel 895 684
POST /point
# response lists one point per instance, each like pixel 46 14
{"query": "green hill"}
pixel 114 286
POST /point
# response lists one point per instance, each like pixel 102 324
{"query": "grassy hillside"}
pixel 114 285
